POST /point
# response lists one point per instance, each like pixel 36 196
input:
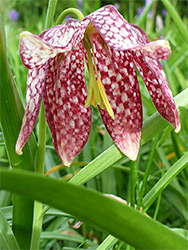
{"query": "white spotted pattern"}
pixel 68 119
pixel 35 86
pixel 55 58
pixel 160 93
pixel 122 93
pixel 36 50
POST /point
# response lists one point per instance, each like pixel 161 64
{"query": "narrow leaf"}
pixel 7 239
pixel 108 243
pixel 178 166
pixel 112 217
pixel 177 19
pixel 11 113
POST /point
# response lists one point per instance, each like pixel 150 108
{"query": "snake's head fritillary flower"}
pixel 112 48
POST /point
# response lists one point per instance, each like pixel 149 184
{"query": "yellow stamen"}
pixel 96 91
pixel 93 102
pixel 105 98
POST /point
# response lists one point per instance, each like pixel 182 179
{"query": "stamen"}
pixel 96 91
pixel 105 98
pixel 93 102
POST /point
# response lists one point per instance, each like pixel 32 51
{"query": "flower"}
pixel 13 15
pixel 112 48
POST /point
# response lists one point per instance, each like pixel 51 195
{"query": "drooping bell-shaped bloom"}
pixel 112 49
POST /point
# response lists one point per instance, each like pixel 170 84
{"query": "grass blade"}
pixel 177 19
pixel 7 239
pixel 10 119
pixel 112 217
pixel 178 166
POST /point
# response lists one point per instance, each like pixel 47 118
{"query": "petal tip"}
pixel 164 43
pixel 131 152
pixel 178 128
pixel 133 157
pixel 25 34
pixel 65 162
pixel 19 151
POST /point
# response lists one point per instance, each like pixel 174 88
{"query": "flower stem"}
pixel 42 141
pixel 67 12
pixel 50 13
pixel 37 222
pixel 159 197
pixel 133 176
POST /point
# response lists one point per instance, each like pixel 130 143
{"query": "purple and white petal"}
pixel 35 85
pixel 65 96
pixel 155 80
pixel 118 75
pixel 159 49
pixel 112 27
pixel 36 50
pixel 55 60
pixel 66 35
pixel 120 35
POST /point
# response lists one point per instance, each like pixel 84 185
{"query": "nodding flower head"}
pixel 112 48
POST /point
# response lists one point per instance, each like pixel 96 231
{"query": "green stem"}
pixel 119 245
pixel 159 198
pixel 84 235
pixel 50 13
pixel 176 145
pixel 67 12
pixel 142 189
pixel 37 222
pixel 42 141
pixel 133 176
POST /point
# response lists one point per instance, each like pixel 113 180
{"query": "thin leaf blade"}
pixel 112 217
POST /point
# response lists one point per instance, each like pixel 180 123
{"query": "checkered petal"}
pixel 159 49
pixel 35 85
pixel 120 35
pixel 155 80
pixel 66 35
pixel 112 27
pixel 118 76
pixel 64 98
pixel 36 50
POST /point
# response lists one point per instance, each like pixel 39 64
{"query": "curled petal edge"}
pixel 159 49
